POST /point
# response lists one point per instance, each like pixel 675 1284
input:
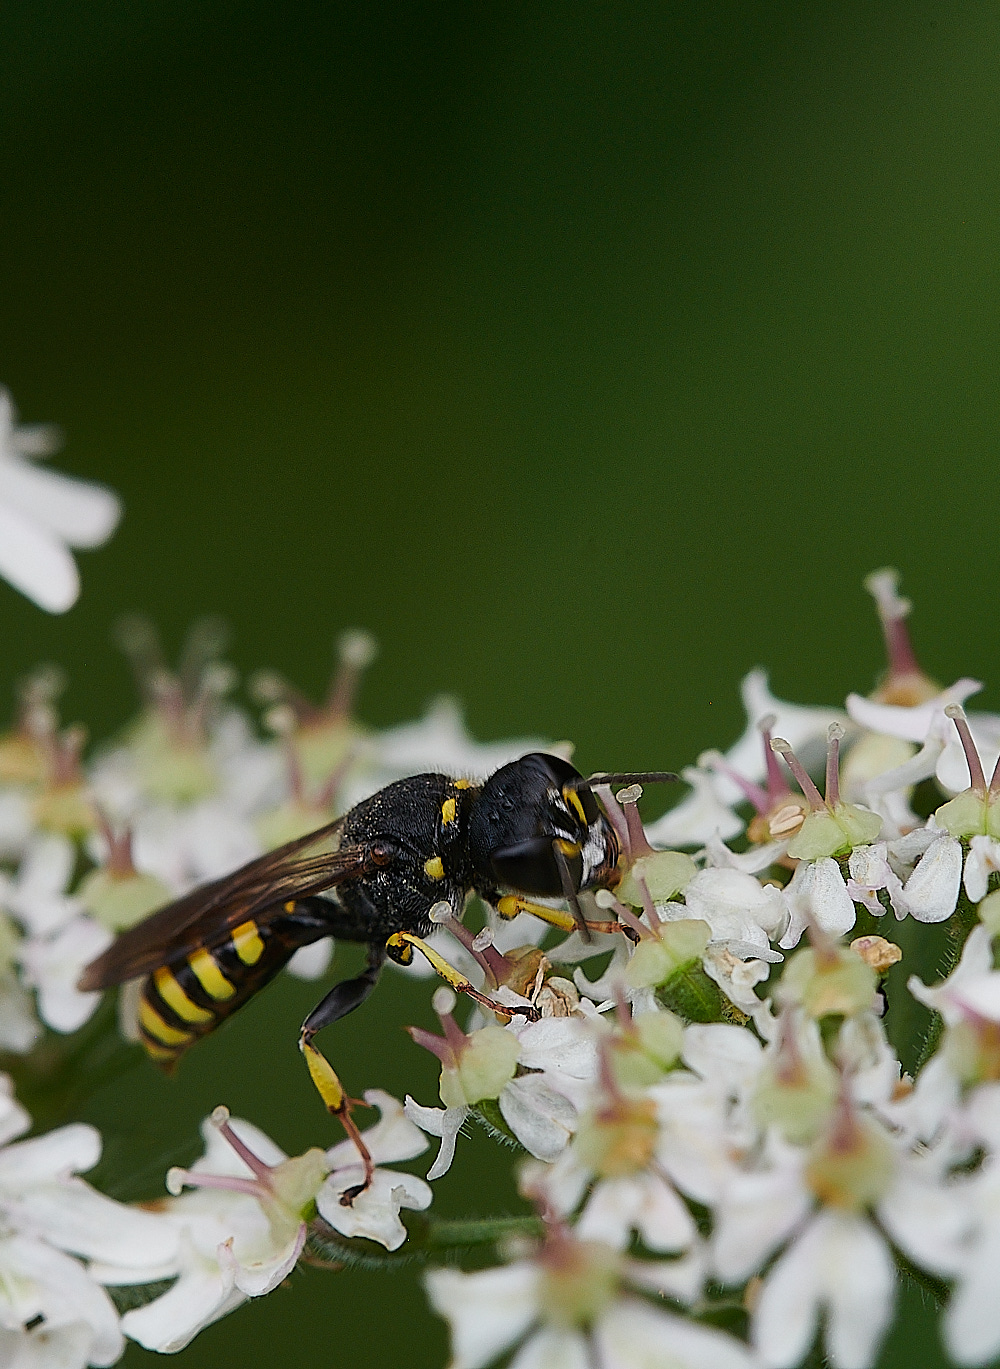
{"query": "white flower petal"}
pixel 311 962
pixel 633 1335
pixel 818 891
pixel 561 1045
pixel 931 892
pixel 74 1217
pixel 255 1277
pixel 912 724
pixel 540 1117
pixel 724 1055
pixel 802 726
pixel 700 816
pixel 78 512
pixel 972 1320
pixel 683 1278
pixel 37 563
pixel 488 1312
pixel 756 1214
pixel 14 1119
pixel 982 861
pixel 644 1203
pixel 200 1296
pixel 929 1221
pixel 375 1212
pixel 53 966
pixel 394 1137
pixel 221 1158
pixel 554 1348
pixel 443 1122
pixel 62 1292
pixel 67 1150
pixel 47 1347
pixel 841 1264
pixel 736 906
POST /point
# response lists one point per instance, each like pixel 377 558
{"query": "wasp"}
pixel 534 827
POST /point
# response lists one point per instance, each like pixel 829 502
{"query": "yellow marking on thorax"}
pixel 247 943
pixel 153 1024
pixel 568 848
pixel 573 801
pixel 290 906
pixel 447 812
pixel 176 999
pixel 462 784
pixel 434 868
pixel 208 974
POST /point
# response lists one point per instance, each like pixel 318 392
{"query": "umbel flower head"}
pixel 722 1158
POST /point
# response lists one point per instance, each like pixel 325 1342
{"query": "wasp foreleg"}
pixel 509 905
pixel 401 946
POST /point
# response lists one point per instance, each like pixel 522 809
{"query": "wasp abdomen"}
pixel 187 998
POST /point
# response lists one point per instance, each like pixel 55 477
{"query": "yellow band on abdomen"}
pixel 176 999
pixel 247 943
pixel 208 974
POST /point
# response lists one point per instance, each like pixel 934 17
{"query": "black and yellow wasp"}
pixel 372 876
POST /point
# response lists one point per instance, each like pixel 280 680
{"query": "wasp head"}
pixel 528 808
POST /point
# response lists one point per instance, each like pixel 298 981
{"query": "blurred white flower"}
pixel 572 1306
pixel 53 1313
pixel 43 514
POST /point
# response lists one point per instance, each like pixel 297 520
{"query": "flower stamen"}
pixel 977 780
pixel 784 750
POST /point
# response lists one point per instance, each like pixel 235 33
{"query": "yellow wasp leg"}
pixel 401 946
pixel 331 1090
pixel 511 904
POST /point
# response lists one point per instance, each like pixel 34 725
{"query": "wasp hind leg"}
pixel 342 999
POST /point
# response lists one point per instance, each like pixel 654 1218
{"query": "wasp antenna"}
pixel 569 890
pixel 628 777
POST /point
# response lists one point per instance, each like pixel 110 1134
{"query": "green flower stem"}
pixel 428 1238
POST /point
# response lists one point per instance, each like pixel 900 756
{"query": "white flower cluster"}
pixel 53 1310
pixel 719 1118
pixel 728 1163
pixel 188 793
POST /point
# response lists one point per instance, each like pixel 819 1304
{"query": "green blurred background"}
pixel 588 354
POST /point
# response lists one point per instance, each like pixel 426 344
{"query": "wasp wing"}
pixel 202 917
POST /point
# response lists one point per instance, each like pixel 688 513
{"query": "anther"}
pixel 441 911
pixel 482 939
pixel 977 780
pixel 629 800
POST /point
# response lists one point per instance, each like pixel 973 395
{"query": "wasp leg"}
pixel 342 999
pixel 511 904
pixel 401 946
